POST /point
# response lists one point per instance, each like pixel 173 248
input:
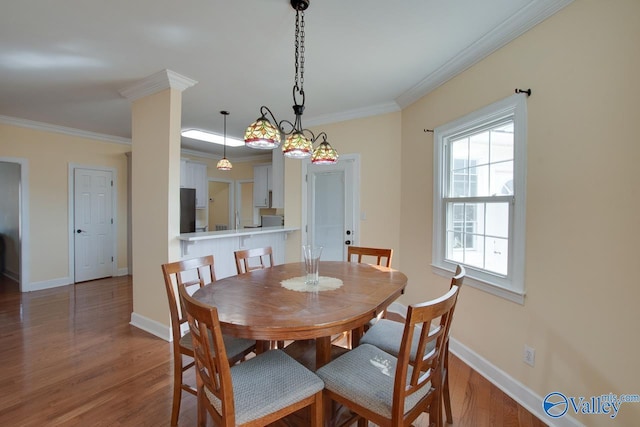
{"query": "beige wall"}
pixel 49 155
pixel 580 312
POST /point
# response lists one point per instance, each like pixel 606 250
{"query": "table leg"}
pixel 262 346
pixel 323 351
pixel 356 335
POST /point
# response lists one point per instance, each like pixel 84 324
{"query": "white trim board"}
pixel 151 326
pixel 513 388
pixel 48 284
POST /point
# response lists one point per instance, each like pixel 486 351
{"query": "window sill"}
pixel 491 288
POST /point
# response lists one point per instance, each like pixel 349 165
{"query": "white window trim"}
pixel 512 287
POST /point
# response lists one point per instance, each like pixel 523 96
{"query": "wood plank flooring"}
pixel 68 357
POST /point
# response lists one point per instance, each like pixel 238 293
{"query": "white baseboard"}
pixel 151 326
pixel 47 284
pixel 122 272
pixel 513 388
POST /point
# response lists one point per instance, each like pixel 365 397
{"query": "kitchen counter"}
pixel 223 234
pixel 222 244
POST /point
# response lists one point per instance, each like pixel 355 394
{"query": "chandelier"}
pixel 224 164
pixel 263 134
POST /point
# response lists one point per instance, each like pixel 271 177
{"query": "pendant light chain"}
pixel 299 54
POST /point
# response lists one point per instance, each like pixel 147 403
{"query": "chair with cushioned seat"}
pixel 386 335
pixel 378 256
pixel 197 271
pixel 257 392
pixel 393 391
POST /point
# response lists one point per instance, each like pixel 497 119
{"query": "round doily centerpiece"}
pixel 324 284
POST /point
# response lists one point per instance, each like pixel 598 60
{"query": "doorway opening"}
pixel 14 224
pixel 220 211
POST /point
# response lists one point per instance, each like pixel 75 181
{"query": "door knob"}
pixel 347 242
pixel 79 231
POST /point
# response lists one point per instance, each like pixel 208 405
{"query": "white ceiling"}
pixel 65 62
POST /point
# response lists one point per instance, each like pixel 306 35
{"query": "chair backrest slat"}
pixel 213 371
pixel 259 255
pixel 379 254
pixel 426 365
pixel 195 271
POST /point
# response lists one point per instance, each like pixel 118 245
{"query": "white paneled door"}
pixel 93 224
pixel 333 206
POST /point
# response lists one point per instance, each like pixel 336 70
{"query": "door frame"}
pixel 25 284
pixel 71 223
pixel 231 201
pixel 355 196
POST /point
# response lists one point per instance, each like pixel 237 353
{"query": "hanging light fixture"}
pixel 263 134
pixel 224 164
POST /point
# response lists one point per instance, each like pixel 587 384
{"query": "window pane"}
pixel 497 221
pixel 497 255
pixel 479 148
pixel 502 143
pixel 460 149
pixel 478 181
pixel 454 247
pixel 475 213
pixel 501 179
pixel 474 256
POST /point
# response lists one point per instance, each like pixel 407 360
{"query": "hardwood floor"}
pixel 68 357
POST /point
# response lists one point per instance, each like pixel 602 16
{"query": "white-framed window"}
pixel 479 197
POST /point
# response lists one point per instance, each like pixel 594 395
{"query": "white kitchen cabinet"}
pixel 194 175
pixel 261 185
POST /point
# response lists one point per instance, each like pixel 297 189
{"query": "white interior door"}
pixel 93 224
pixel 332 204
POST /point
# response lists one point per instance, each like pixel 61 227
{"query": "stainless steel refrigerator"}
pixel 187 210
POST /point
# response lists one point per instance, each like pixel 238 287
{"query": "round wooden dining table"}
pixel 256 305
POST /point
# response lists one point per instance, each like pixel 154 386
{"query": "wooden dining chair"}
pixel 393 391
pixel 253 259
pixel 257 392
pixel 381 255
pixel 386 335
pixel 197 271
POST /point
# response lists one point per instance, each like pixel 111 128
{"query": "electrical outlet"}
pixel 529 355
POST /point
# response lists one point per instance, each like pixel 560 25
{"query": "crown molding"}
pixel 358 113
pixel 46 127
pixel 165 79
pixel 519 23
